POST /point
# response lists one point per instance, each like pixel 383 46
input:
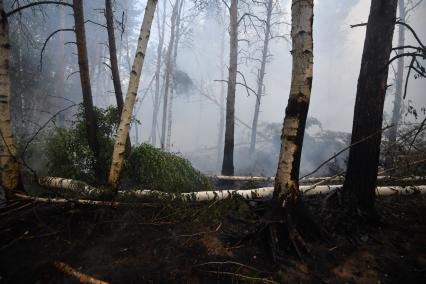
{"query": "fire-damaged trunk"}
pixel 114 64
pixel 228 151
pixel 132 90
pixel 361 174
pixel 86 88
pixel 286 202
pixel 9 167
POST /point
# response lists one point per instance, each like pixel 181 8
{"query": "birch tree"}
pixel 286 202
pixel 123 129
pixel 9 167
pixel 361 174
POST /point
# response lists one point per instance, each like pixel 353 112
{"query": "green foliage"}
pixel 68 152
pixel 156 169
pixel 69 156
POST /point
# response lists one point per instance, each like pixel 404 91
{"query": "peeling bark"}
pixel 123 129
pixel 9 167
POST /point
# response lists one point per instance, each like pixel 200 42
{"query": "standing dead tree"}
pixel 161 29
pixel 9 167
pixel 169 71
pixel 404 9
pixel 124 127
pixel 361 175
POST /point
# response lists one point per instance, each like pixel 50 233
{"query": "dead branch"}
pixel 83 278
pixel 35 4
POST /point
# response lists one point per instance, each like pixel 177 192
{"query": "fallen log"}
pixel 256 193
pixel 76 186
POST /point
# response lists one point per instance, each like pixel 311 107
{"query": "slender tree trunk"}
pixel 61 69
pixel 397 109
pixel 123 129
pixel 169 72
pixel 228 152
pixel 114 65
pixel 221 128
pixel 173 75
pixel 287 177
pixel 83 63
pixel 260 78
pixel 161 29
pixel 9 167
pixel 361 174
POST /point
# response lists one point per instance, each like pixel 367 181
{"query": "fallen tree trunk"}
pixel 314 179
pixel 80 187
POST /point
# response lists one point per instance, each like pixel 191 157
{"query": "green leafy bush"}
pixel 156 169
pixel 69 156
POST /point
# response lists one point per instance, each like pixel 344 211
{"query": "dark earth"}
pixel 172 242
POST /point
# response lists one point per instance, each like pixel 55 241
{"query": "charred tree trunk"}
pixel 9 167
pixel 161 29
pixel 86 88
pixel 397 104
pixel 221 128
pixel 126 115
pixel 114 65
pixel 168 73
pixel 260 78
pixel 361 174
pixel 286 203
pixel 228 151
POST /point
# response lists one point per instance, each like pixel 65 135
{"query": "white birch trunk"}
pixel 9 167
pixel 123 129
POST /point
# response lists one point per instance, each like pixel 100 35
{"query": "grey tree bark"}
pixel 397 104
pixel 161 30
pixel 260 78
pixel 168 72
pixel 221 128
pixel 228 152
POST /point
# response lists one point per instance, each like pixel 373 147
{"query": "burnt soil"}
pixel 216 242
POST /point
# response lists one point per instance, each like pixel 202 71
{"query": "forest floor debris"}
pixel 199 243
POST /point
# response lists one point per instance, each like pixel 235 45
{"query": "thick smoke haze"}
pixel 196 107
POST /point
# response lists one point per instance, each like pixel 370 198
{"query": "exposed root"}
pixel 81 277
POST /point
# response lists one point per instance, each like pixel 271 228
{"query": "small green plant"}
pixel 156 169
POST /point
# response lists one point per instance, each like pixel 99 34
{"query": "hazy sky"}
pixel 337 56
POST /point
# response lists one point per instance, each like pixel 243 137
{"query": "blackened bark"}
pixel 228 152
pixel 361 175
pixel 83 63
pixel 114 65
